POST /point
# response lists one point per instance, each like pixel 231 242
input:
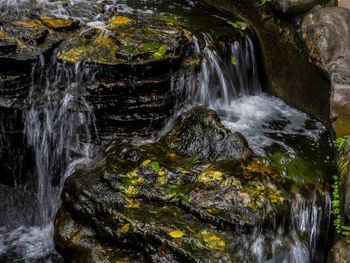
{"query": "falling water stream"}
pixel 60 131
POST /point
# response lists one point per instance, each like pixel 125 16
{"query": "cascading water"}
pixel 228 82
pixel 56 130
pixel 59 126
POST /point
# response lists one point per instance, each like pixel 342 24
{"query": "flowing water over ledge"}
pixel 61 131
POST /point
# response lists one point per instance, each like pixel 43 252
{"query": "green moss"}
pixel 161 52
pixel 297 169
pixel 152 47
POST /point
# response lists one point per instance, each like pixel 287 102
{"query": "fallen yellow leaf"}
pixel 145 163
pixel 176 234
pixel 124 229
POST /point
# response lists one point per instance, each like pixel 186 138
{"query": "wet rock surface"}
pixel 340 252
pixel 296 6
pixel 156 202
pixel 200 133
pixel 327 35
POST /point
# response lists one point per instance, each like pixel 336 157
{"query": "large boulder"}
pixel 327 35
pixel 157 204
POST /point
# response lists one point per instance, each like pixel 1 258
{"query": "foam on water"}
pixel 28 244
pixel 255 116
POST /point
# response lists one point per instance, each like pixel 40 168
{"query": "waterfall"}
pixel 58 127
pixel 60 132
pixel 220 79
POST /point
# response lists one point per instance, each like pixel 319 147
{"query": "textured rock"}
pixel 131 107
pixel 168 207
pixel 200 133
pixel 340 253
pixel 296 6
pixel 327 35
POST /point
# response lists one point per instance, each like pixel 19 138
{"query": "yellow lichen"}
pixel 213 241
pixel 161 179
pixel 209 176
pixel 183 171
pixel 176 234
pixel 136 181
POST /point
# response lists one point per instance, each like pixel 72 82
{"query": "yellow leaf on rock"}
pixel 176 234
pixel 124 229
pixel 213 241
pixel 119 20
pixel 161 172
pixel 210 176
pixel 145 163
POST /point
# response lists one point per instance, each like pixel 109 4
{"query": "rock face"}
pixel 200 133
pixel 327 35
pixel 340 253
pixel 287 71
pixel 151 203
pixel 124 75
pixel 296 6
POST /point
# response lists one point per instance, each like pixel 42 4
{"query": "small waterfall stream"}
pixel 58 127
pixel 57 124
pixel 60 132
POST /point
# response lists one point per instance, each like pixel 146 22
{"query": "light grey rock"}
pixel 326 33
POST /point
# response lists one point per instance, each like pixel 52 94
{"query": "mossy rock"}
pixel 152 198
pixel 131 41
